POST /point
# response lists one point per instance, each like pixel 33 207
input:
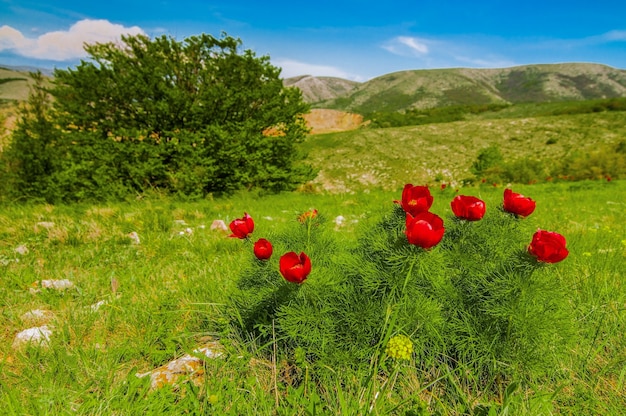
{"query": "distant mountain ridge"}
pixel 316 89
pixel 429 88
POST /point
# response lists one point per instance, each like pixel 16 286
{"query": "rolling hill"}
pixel 317 89
pixel 14 84
pixel 404 90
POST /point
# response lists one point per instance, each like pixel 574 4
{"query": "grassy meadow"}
pixel 168 294
pixel 383 158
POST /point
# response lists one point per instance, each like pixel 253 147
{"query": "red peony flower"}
pixel 263 249
pixel 518 204
pixel 416 199
pixel 468 207
pixel 295 268
pixel 548 247
pixel 424 230
pixel 242 227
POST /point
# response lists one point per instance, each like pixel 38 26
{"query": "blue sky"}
pixel 357 40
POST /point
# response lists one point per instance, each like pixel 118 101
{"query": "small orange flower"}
pixel 309 215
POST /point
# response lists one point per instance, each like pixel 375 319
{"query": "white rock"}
pixel 96 306
pixel 185 366
pixel 56 284
pixel 219 225
pixel 188 231
pixel 339 220
pixel 39 335
pixel 210 351
pixel 22 249
pixel 134 237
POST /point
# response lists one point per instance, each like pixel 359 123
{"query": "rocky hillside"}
pixel 460 86
pixel 318 89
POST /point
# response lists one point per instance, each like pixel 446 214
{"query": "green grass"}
pixel 173 288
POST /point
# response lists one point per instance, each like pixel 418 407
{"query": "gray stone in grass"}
pixel 189 366
pixel 36 336
pixel 21 249
pixel 62 284
pixel 219 225
pixel 134 237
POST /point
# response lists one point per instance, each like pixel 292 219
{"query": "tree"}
pixel 190 117
pixel 30 158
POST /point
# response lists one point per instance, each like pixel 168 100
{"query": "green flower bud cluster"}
pixel 400 347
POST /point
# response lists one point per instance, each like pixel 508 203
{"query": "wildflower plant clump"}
pixel 470 289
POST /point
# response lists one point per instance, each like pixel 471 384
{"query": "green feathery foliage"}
pixel 476 301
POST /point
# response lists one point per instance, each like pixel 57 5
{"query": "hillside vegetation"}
pixel 444 152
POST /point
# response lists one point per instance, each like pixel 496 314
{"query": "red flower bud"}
pixel 424 230
pixel 548 247
pixel 308 215
pixel 263 249
pixel 242 227
pixel 295 268
pixel 416 199
pixel 518 204
pixel 468 207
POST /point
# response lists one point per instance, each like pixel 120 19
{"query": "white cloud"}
pixel 64 45
pixel 615 35
pixel 291 68
pixel 407 46
pixel 413 44
pixel 12 39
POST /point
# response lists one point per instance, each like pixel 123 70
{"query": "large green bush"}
pixel 191 118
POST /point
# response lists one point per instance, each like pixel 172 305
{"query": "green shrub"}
pixel 488 158
pixel 188 118
pixel 476 302
pixel 608 161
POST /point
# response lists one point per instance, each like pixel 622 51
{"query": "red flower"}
pixel 443 186
pixel 263 249
pixel 424 230
pixel 295 268
pixel 242 227
pixel 468 207
pixel 416 199
pixel 548 247
pixel 518 204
